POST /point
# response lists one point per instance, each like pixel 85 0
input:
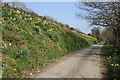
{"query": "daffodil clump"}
pixel 115 65
pixel 113 60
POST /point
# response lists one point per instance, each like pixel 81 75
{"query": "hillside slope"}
pixel 31 42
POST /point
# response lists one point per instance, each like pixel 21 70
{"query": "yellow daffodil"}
pixel 30 18
pixel 18 12
pixel 112 64
pixel 10 44
pixel 37 27
pixel 10 12
pixel 14 69
pixel 14 18
pixel 116 64
pixel 3 5
pixel 38 18
pixel 28 15
pixel 10 17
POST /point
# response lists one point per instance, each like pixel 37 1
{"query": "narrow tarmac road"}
pixel 84 64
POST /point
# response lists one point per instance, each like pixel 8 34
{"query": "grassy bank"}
pixel 112 58
pixel 31 42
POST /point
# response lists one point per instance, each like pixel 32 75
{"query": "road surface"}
pixel 86 63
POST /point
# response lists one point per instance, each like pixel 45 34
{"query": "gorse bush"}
pixel 31 42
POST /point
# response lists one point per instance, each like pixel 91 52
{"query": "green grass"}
pixel 112 57
pixel 30 42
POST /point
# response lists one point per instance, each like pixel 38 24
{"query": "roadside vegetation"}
pixel 31 42
pixel 112 60
pixel 107 15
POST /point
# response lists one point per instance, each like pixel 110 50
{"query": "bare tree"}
pixel 106 14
